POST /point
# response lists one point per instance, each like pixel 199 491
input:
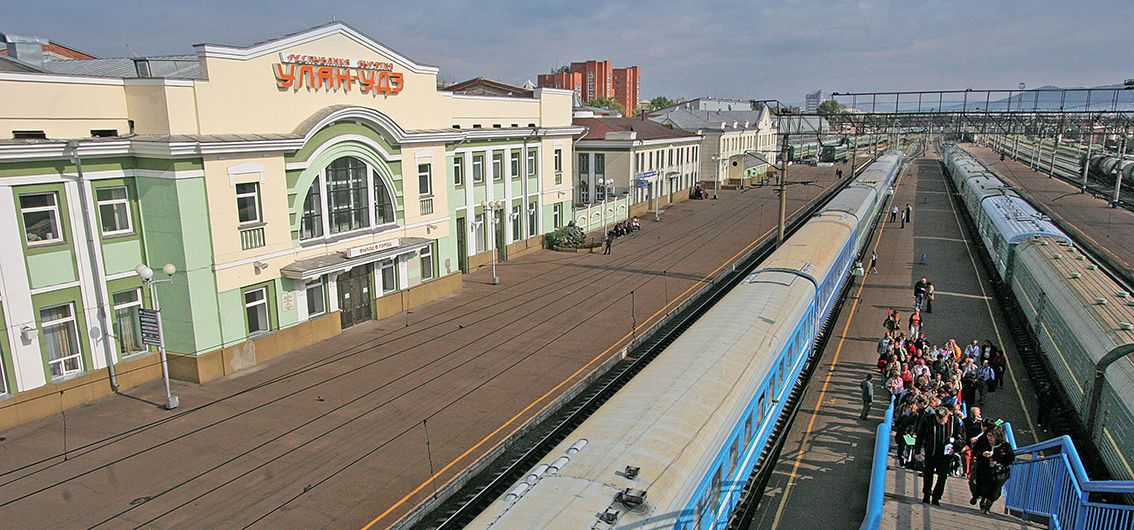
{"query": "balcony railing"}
pixel 426 205
pixel 251 237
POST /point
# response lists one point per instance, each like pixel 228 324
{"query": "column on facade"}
pixel 489 188
pixel 98 337
pixel 19 312
pixel 506 216
pixel 539 186
pixel 591 178
pixel 470 207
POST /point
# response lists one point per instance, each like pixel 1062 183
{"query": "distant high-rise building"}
pixel 596 79
pixel 813 101
pixel 626 88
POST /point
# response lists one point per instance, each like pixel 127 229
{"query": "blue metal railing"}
pixel 1048 480
pixel 878 472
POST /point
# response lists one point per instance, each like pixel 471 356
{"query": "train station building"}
pixel 632 165
pixel 738 141
pixel 299 186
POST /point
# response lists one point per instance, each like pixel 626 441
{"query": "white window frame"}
pixel 70 321
pixel 514 163
pixel 515 215
pixel 372 178
pixel 426 254
pixel 263 301
pixel 497 165
pixel 113 203
pixel 480 230
pixel 319 284
pixel 255 194
pixel 478 164
pixel 533 168
pixel 382 268
pixel 425 175
pixel 458 170
pixel 136 303
pixel 557 216
pixel 53 209
pixel 558 164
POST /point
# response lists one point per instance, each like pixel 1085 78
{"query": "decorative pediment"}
pixel 317 33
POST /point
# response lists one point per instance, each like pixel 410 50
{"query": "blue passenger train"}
pixel 676 445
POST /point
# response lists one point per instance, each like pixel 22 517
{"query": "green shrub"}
pixel 569 236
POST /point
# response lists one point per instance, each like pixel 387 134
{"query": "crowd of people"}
pixel 698 192
pixel 623 228
pixel 931 385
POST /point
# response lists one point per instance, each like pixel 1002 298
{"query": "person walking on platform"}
pixel 867 386
pixel 915 323
pixel 994 458
pixel 894 213
pixel 919 290
pixel 973 351
pixel 939 439
pixel 985 377
pixel 989 353
pixel 908 213
pixel 929 290
pixel 974 427
pixel 874 263
pixel 608 243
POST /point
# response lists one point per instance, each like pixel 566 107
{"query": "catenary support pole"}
pixel 783 194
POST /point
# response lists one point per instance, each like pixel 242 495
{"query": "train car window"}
pixel 698 513
pixel 715 492
pixel 733 455
pixel 748 430
pixel 760 408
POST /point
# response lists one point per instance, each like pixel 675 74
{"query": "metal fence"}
pixel 878 471
pixel 1049 482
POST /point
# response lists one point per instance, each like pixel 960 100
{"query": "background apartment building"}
pixel 595 79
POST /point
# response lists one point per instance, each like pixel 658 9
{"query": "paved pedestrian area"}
pixel 1108 231
pixel 366 426
pixel 824 469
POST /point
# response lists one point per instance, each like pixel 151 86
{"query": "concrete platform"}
pixel 824 470
pixel 366 426
pixel 1109 231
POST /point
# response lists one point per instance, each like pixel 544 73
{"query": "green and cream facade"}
pixel 289 212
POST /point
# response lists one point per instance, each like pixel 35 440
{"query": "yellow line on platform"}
pixel 826 381
pixel 995 327
pixel 432 479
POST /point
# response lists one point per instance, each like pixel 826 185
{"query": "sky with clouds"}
pixel 779 49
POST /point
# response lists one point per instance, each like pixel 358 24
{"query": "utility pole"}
pixel 1118 171
pixel 783 191
pixel 1087 161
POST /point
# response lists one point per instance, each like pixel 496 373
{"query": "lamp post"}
pixel 490 217
pixel 606 184
pixel 147 276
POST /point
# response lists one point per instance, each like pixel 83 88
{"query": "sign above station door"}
pixel 320 72
pixel 355 252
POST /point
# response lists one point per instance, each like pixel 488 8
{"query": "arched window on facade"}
pixel 342 198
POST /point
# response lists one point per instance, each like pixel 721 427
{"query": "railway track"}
pixel 1067 167
pixel 525 452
